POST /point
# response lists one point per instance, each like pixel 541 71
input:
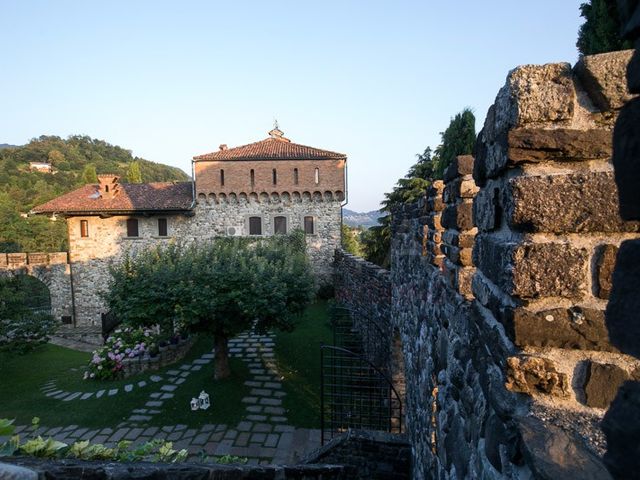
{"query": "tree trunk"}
pixel 221 359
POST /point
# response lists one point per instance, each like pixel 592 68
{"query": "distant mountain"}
pixel 6 145
pixel 355 219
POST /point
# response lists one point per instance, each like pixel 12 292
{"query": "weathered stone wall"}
pixel 365 289
pixel 108 241
pixel 50 268
pixel 368 455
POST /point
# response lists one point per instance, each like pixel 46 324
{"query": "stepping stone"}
pixel 249 400
pixel 166 396
pixel 72 396
pixel 112 392
pixel 250 350
pixel 279 419
pixel 153 403
pixel 154 412
pixel 258 438
pixel 284 428
pixel 156 395
pixel 196 368
pixel 279 394
pixel 261 392
pixel 273 385
pixel 86 395
pixel 207 356
pixel 275 402
pixel 230 435
pixel 257 371
pixel 256 418
pixel 201 362
pixel 180 427
pixel 142 383
pixel 174 436
pixel 208 428
pixel 140 410
pixel 274 410
pixel 151 431
pixel 155 378
pixel 128 388
pixel 250 383
pixel 262 428
pixel 185 367
pixel 235 350
pixel 254 408
pixel 268 354
pixel 272 440
pixel 139 418
pixel 244 426
pixel 242 439
pixel 180 381
pixel 168 388
pixel 55 392
pixel 167 429
pixel 184 374
pixel 173 372
pixel 200 439
pixel 116 437
pixel 133 434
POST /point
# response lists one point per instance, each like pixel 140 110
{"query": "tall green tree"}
pixel 600 32
pixel 221 287
pixel 134 175
pixel 458 139
pixel 89 174
pixel 351 240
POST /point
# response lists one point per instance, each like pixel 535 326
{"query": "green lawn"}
pixel 21 377
pixel 298 359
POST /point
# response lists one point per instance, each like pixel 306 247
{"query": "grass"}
pixel 21 377
pixel 298 360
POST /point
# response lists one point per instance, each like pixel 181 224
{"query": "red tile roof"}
pixel 278 148
pixel 148 197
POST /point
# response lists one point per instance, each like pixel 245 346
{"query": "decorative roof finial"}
pixel 276 133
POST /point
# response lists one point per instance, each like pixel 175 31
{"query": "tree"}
pixel 55 157
pixel 600 32
pixel 133 173
pixel 458 139
pixel 351 240
pixel 221 287
pixel 89 174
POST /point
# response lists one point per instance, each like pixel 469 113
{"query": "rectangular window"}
pixel 295 176
pixel 84 228
pixel 252 174
pixel 309 226
pixel 162 227
pixel 317 176
pixel 255 225
pixel 132 227
pixel 275 176
pixel 280 225
pixel 222 178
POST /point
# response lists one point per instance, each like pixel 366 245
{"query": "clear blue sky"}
pixel 169 80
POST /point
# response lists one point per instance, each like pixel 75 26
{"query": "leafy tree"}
pixel 600 32
pixel 458 139
pixel 351 240
pixel 89 174
pixel 55 157
pixel 133 173
pixel 221 287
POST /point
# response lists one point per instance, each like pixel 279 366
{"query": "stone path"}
pixel 263 435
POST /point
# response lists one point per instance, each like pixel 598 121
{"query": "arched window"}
pixel 275 176
pixel 222 178
pixel 295 176
pixel 252 175
pixel 317 176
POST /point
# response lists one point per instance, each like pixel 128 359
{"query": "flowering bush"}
pixel 125 343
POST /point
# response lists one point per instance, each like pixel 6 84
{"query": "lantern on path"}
pixel 203 398
pixel 194 404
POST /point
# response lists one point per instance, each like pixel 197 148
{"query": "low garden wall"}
pixel 167 355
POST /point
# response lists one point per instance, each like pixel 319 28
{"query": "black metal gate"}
pixel 354 393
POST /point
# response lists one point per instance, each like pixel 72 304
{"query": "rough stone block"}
pixel 622 316
pixel 633 71
pixel 491 156
pixel 626 159
pixel 465 279
pixel 621 425
pixel 451 191
pixel 529 374
pixel 574 203
pixel 602 383
pixel 458 217
pixel 560 144
pixel 461 165
pixel 16 259
pixel 603 77
pixel 532 270
pixel 468 188
pixel 485 208
pixel 605 260
pixel 577 328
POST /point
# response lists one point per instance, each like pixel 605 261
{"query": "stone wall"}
pixel 107 241
pixel 365 289
pixel 500 278
pixel 50 268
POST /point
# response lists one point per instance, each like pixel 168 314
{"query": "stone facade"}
pixel 500 277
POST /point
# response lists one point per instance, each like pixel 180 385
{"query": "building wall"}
pixel 107 242
pixel 237 177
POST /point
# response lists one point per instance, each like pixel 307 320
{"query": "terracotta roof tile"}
pixel 271 149
pixel 158 196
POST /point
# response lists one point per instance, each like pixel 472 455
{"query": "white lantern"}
pixel 204 400
pixel 194 404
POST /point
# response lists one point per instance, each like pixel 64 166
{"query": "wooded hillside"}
pixel 75 161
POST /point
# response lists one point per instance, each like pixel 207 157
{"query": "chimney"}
pixel 108 185
pixel 223 147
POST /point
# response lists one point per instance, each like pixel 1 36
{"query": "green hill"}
pixel 71 158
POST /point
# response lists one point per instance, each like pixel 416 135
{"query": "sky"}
pixel 376 80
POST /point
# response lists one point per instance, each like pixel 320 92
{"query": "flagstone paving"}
pixel 263 435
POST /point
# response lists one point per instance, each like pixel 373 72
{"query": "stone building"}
pixel 264 188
